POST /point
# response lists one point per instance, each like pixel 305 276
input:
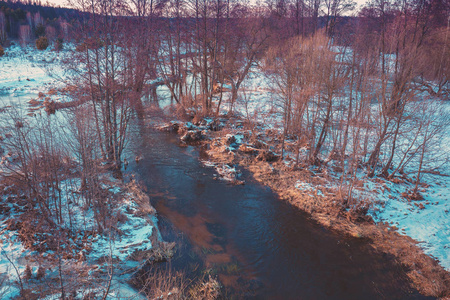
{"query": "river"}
pixel 258 246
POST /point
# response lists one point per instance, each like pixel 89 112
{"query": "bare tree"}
pixel 3 35
pixel 333 9
pixel 298 71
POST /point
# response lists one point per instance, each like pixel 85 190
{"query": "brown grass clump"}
pixel 265 155
pixel 161 284
pixel 140 198
pixel 198 117
pixel 163 251
pixel 39 234
pixel 2 51
pixel 27 273
pixel 206 290
pixel 52 92
pixel 181 113
pixel 40 273
pixel 412 196
pixel 49 106
pixel 42 43
pixel 160 252
pixel 34 103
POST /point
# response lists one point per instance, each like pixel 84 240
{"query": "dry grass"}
pixel 141 198
pixel 160 252
pixel 169 285
pixel 161 284
pixel 205 290
pixel 38 234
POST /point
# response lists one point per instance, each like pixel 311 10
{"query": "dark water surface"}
pixel 258 246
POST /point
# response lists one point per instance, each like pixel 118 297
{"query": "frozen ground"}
pixel 22 76
pixel 135 235
pixel 24 72
pixel 427 221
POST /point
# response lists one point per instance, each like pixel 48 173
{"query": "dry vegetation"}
pixel 62 252
pixel 158 283
pixel 42 43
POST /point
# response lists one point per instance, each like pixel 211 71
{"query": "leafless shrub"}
pixel 42 43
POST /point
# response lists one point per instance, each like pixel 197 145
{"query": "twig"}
pixel 15 268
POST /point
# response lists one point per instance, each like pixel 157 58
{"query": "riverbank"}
pixel 84 255
pixel 60 238
pixel 230 145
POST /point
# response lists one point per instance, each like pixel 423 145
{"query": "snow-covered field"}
pixel 24 72
pixel 427 220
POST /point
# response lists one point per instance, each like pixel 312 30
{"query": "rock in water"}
pixel 192 136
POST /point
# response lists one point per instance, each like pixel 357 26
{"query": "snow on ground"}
pixel 309 188
pixel 135 230
pixel 25 71
pixel 257 102
pixel 12 252
pixel 427 220
pixel 135 235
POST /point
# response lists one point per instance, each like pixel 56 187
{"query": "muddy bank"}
pixel 232 147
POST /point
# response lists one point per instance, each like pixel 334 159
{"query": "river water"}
pixel 258 246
